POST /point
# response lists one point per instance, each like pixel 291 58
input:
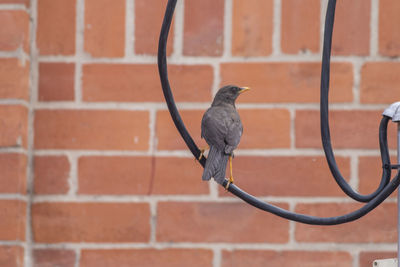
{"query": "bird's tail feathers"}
pixel 215 165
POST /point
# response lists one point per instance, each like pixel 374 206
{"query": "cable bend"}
pixel 324 118
pixel 378 197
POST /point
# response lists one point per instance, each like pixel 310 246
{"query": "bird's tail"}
pixel 215 165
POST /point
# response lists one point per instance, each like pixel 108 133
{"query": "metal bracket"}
pixel 392 166
pixel 385 263
pixel 393 112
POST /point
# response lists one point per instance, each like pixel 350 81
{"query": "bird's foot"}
pixel 232 155
pixel 230 181
pixel 202 153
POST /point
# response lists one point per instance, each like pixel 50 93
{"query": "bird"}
pixel 222 129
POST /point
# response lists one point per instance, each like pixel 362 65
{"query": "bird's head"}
pixel 228 94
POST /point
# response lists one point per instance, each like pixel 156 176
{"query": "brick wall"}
pixel 93 172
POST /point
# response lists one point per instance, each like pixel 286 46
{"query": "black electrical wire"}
pixel 352 216
pixel 169 98
pixel 324 114
pixel 385 188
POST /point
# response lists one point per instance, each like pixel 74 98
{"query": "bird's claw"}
pixel 230 181
pixel 202 153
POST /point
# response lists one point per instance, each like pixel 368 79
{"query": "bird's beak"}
pixel 244 89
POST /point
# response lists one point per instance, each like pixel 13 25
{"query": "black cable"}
pixel 381 195
pixel 324 113
pixel 163 71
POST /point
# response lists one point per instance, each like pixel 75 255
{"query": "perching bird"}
pixel 221 128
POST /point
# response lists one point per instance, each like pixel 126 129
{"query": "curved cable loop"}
pixel 380 196
pixel 324 115
pixel 163 71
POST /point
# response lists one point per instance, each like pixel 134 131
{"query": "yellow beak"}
pixel 244 89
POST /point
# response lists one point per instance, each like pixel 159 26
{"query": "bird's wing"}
pixel 235 130
pixel 214 128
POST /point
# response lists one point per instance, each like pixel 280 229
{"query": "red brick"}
pixel 12 220
pixel 53 257
pixel 252 27
pixel 256 124
pixel 300 26
pixel 352 28
pixel 147 258
pixel 215 222
pixel 56 81
pixel 141 83
pixel 129 175
pixel 13 173
pixel 268 128
pixel 13 126
pixel 260 258
pixel 148 19
pixel 287 176
pixel 56 27
pixel 168 137
pixel 380 82
pixel 349 129
pixel 90 222
pixel 370 173
pixel 389 36
pixel 178 176
pixel 287 82
pixel 11 256
pixel 367 258
pixel 91 129
pixel 204 28
pixel 105 28
pixel 24 2
pixel 379 226
pixel 16 32
pixel 139 175
pixel 14 78
pixel 51 174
